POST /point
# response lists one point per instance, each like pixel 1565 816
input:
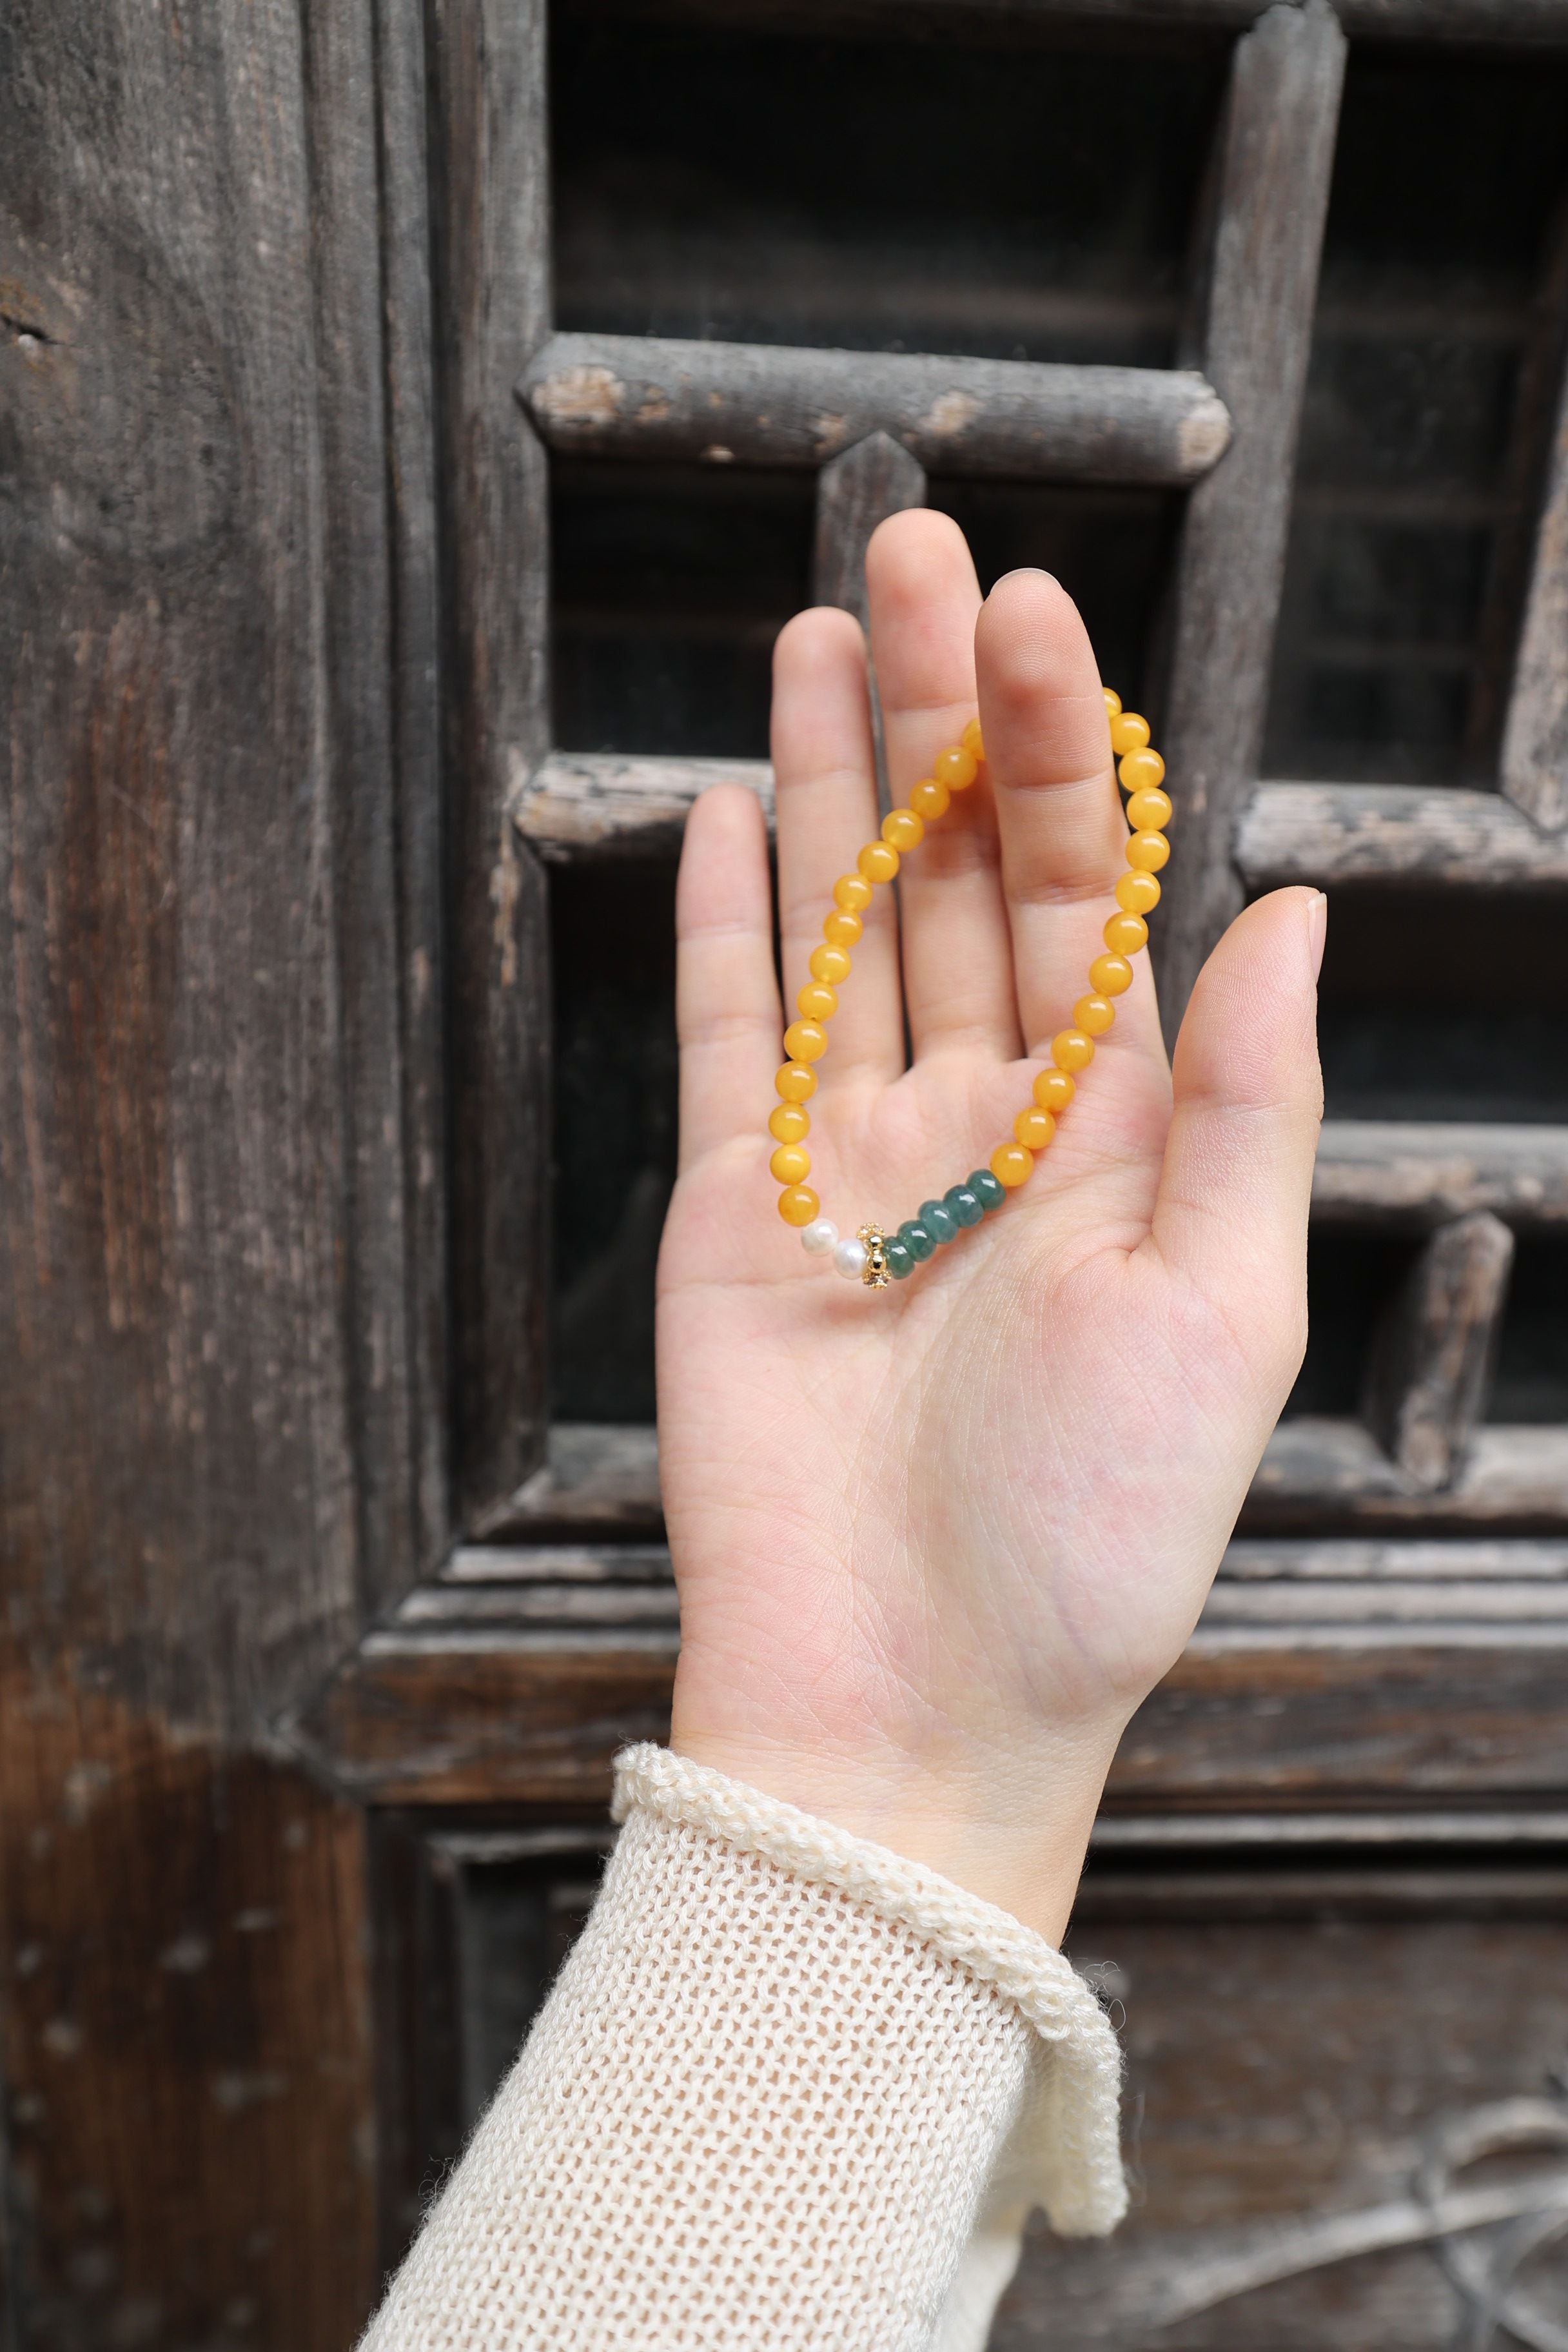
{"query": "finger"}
pixel 1058 815
pixel 825 770
pixel 1232 1207
pixel 957 961
pixel 726 998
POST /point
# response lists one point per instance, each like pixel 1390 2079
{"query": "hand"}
pixel 935 1543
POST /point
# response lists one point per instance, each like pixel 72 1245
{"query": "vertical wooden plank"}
pixel 414 713
pixel 1535 733
pixel 1271 192
pixel 855 492
pixel 490 195
pixel 1432 1360
pixel 186 2036
pixel 378 597
pixel 194 620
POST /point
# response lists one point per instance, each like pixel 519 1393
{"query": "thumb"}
pixel 1231 1211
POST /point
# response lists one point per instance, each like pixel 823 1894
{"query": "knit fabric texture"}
pixel 790 2091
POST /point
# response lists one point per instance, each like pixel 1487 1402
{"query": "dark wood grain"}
pixel 1260 276
pixel 1433 1353
pixel 415 721
pixel 490 187
pixel 1320 1675
pixel 373 514
pixel 220 1135
pixel 767 404
pixel 185 2033
pixel 855 491
pixel 487 1717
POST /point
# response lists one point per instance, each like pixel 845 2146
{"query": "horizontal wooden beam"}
pixel 1394 833
pixel 595 1475
pixel 1402 1692
pixel 1316 1469
pixel 632 805
pixel 775 405
pixel 623 804
pixel 1331 1561
pixel 603 1481
pixel 1388 1172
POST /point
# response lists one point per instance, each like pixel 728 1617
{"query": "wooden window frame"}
pixel 557 1600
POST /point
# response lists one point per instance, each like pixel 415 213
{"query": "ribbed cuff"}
pixel 1064 2155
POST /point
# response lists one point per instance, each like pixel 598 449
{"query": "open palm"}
pixel 935 1542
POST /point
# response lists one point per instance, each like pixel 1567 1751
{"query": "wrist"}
pixel 1009 1823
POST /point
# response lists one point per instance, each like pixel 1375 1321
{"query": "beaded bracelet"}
pixel 875 1255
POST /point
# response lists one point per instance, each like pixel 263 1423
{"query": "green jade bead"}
pixel 988 1190
pixel 899 1257
pixel 916 1240
pixel 966 1206
pixel 939 1220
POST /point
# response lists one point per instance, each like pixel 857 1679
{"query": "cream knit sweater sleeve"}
pixel 790 2093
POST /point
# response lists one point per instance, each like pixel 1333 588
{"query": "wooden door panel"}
pixel 1322 2105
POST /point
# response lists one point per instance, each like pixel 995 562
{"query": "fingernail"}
pixel 1317 929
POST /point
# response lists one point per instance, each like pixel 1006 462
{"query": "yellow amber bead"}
pixel 1112 700
pixel 842 931
pixel 788 1123
pixel 852 892
pixel 1148 851
pixel 1053 1090
pixel 1136 893
pixel 1128 731
pixel 1071 1050
pixel 830 964
pixel 790 1164
pixel 816 1000
pixel 878 861
pixel 1148 812
pixel 796 1083
pixel 1109 975
pixel 806 1041
pixel 1123 935
pixel 1034 1128
pixel 1094 1014
pixel 956 768
pixel 1011 1164
pixel 973 741
pixel 930 799
pixel 799 1206
pixel 1140 771
pixel 903 828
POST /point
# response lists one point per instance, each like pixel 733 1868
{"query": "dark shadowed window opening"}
pixel 1436 353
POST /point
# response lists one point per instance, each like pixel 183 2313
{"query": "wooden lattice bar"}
pixel 578 804
pixel 768 404
pixel 1255 333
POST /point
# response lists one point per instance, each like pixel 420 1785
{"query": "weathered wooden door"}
pixel 415 423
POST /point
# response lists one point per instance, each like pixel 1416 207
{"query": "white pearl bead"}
pixel 849 1259
pixel 819 1236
